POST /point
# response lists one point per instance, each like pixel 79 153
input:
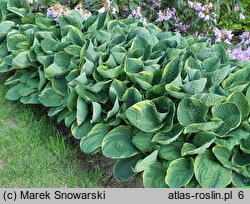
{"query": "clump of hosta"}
pixel 174 109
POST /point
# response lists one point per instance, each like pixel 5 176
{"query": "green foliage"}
pixel 160 104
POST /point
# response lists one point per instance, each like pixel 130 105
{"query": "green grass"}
pixel 33 153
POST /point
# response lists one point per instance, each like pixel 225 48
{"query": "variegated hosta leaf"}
pixel 209 173
pixel 188 109
pixel 201 142
pixel 165 138
pixel 241 102
pixel 171 151
pixel 146 162
pixel 124 168
pixel 180 172
pixel 93 140
pixel 154 176
pixel 144 116
pixel 240 181
pixel 224 156
pixel 142 141
pixel 230 114
pixel 117 143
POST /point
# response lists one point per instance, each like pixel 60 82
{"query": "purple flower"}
pixel 236 8
pixel 199 7
pixel 240 54
pixel 245 38
pixel 242 17
pixel 51 13
pixel 180 27
pixel 136 13
pixel 223 35
pixel 157 3
pixel 166 15
pixel 201 15
pixel 190 4
pixel 202 11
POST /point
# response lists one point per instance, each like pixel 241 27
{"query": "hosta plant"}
pixel 174 109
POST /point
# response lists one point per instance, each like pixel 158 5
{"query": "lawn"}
pixel 34 154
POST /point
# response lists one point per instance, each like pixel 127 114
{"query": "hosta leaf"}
pixel 193 63
pixel 201 142
pixel 188 109
pixel 13 93
pixel 55 110
pixel 144 116
pixel 96 112
pixel 73 50
pixel 106 72
pixel 123 169
pixel 229 114
pixel 216 77
pixel 154 176
pixel 171 151
pixel 240 180
pixel 245 145
pixel 94 139
pixel 146 162
pixel 171 70
pixel 117 143
pixel 72 99
pixel 241 159
pixel 131 97
pixel 116 89
pixel 198 127
pixel 209 173
pixel 233 138
pixel 210 99
pixel 70 118
pixel 211 64
pixel 81 131
pixel 133 65
pixel 6 26
pixel 48 44
pixel 31 99
pixel 193 183
pixel 195 87
pixel 223 155
pixel 241 102
pixel 245 171
pixel 49 98
pixel 14 40
pixel 114 110
pixel 237 78
pixel 89 96
pixel 62 59
pixel 45 23
pixel 142 141
pixel 168 137
pixel 222 53
pixel 60 86
pixel 53 70
pixel 82 111
pixel 180 172
pixel 22 60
